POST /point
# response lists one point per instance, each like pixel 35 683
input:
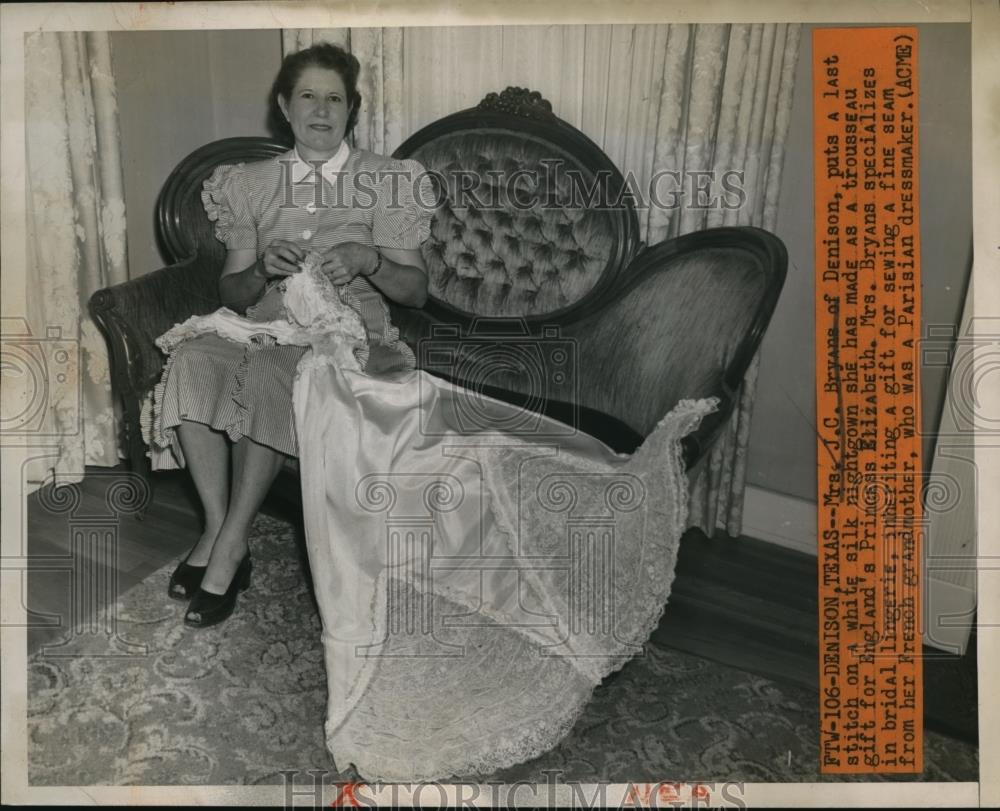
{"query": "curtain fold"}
pixel 656 98
pixel 735 119
pixel 380 52
pixel 76 244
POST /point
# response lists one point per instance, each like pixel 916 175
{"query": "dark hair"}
pixel 321 55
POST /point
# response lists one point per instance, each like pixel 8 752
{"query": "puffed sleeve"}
pixel 404 206
pixel 227 203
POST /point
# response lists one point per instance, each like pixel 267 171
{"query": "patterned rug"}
pixel 157 704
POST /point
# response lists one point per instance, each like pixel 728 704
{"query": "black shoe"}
pixel 208 609
pixel 185 580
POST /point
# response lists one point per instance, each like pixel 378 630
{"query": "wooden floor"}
pixel 68 546
pixel 753 605
pixel 740 602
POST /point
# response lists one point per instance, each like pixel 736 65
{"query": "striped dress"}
pixel 246 389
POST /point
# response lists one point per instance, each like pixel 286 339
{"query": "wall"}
pixel 177 91
pixel 782 439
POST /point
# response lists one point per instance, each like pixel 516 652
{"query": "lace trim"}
pixel 318 319
pixel 685 418
pixel 504 752
pixel 662 532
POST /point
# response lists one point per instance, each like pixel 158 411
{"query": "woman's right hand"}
pixel 281 258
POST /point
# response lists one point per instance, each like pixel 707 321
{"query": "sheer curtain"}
pixel 685 98
pixel 76 245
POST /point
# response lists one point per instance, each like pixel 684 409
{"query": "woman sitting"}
pixel 226 408
pixel 474 583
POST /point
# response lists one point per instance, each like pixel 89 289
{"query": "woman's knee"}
pixel 270 374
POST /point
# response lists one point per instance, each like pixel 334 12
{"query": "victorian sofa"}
pixel 538 297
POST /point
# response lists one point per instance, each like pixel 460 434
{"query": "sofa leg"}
pixel 139 463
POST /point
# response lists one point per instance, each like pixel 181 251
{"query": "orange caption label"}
pixel 868 399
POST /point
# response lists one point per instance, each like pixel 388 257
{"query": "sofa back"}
pixel 531 218
pixel 534 242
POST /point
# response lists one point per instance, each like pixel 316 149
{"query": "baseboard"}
pixel 949 615
pixel 780 519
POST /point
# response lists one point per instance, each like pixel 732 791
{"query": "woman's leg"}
pixel 206 452
pixel 255 467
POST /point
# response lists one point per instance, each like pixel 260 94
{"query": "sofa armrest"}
pixel 133 314
pixel 685 325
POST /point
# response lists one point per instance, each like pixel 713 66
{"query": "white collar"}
pixel 302 169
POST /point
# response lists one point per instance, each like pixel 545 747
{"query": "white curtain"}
pixel 686 98
pixel 75 245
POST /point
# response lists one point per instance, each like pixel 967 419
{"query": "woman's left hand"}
pixel 348 259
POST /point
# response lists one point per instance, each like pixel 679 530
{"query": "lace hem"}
pixel 445 762
pixel 685 418
pixel 502 755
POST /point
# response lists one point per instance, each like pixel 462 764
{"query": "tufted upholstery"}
pixel 509 245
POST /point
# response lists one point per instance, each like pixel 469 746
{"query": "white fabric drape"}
pixel 684 98
pixel 76 243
